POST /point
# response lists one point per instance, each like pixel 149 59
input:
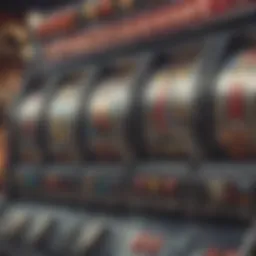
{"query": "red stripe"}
pixel 235 103
pixel 144 25
pixel 58 23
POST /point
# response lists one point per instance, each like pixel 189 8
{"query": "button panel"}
pixel 216 190
pixel 147 244
pixel 62 231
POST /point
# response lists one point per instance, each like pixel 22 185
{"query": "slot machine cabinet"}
pixel 234 106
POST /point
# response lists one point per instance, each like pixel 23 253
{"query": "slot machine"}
pixel 107 115
pixel 62 119
pixel 128 166
pixel 234 106
pixel 168 111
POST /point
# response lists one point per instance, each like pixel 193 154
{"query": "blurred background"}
pixel 16 16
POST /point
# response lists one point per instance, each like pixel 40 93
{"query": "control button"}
pixel 146 243
pixel 213 252
pixel 13 224
pixel 40 230
pixel 91 237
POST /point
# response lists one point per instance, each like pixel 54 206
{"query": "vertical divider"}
pixel 215 51
pixel 134 130
pixel 134 122
pixel 81 135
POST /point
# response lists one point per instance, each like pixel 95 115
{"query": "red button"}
pixel 147 243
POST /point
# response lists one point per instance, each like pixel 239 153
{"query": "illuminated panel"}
pixel 167 111
pixel 69 19
pixel 234 107
pixel 142 26
pixel 108 109
pixel 28 118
